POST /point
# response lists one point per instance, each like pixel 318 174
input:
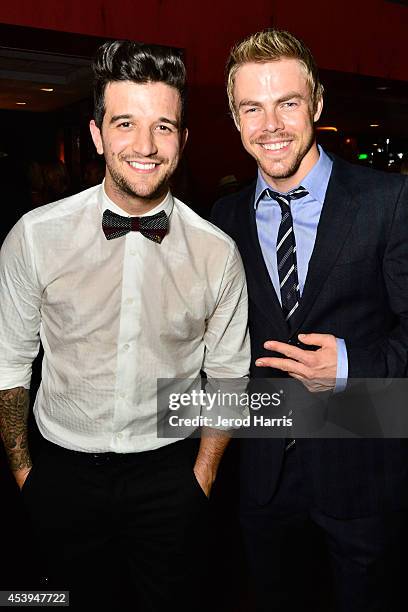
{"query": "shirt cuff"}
pixel 342 366
pixel 18 376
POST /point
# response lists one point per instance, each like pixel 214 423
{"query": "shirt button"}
pixel 119 435
pixel 132 252
pixel 129 301
pixel 122 395
pixel 125 347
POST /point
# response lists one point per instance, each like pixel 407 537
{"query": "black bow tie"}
pixel 154 227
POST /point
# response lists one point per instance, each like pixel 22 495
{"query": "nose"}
pixel 273 120
pixel 144 143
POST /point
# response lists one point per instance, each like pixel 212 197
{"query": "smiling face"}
pixel 274 113
pixel 141 140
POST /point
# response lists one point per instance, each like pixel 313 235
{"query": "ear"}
pixel 96 136
pixel 183 139
pixel 319 108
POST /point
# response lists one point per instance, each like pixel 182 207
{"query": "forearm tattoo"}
pixel 13 426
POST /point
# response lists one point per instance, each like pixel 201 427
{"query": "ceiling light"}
pixel 21 103
pixel 383 87
pixel 374 125
pixel 47 89
pixel 326 128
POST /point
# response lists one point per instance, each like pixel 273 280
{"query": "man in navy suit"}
pixel 325 248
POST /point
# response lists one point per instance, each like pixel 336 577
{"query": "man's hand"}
pixel 315 369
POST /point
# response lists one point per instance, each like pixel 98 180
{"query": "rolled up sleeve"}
pixel 227 353
pixel 20 304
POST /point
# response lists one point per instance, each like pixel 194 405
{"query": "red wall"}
pixel 363 36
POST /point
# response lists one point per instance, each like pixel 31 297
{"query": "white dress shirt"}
pixel 114 316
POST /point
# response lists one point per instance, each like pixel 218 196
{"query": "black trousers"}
pixel 294 550
pixel 126 532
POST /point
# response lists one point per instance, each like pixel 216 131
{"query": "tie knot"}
pixel 134 224
pixel 284 199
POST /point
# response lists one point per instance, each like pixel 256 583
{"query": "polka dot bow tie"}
pixel 153 227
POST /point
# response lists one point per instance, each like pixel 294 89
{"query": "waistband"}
pixel 189 445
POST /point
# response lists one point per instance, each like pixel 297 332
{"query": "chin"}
pixel 278 173
pixel 142 191
pixel 150 194
pixel 283 170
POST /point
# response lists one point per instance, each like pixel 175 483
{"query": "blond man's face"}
pixel 274 114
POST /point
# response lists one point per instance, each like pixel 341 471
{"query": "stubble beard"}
pixel 293 165
pixel 126 188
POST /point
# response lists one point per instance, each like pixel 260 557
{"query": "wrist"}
pixel 21 475
pixel 205 476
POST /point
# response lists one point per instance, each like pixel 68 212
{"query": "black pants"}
pixel 125 532
pixel 288 540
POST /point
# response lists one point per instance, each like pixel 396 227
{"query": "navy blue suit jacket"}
pixel 357 289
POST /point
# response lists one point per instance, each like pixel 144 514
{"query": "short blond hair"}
pixel 270 46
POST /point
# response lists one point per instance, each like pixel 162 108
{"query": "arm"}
pixel 20 299
pixel 227 356
pixel 13 431
pixel 212 446
pixel 387 357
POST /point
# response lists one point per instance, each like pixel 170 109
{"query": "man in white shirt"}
pixel 123 284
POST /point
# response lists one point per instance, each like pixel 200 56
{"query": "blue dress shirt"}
pixel 306 214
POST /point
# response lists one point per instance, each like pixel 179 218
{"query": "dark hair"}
pixel 125 60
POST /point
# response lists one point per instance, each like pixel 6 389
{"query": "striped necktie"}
pixel 286 252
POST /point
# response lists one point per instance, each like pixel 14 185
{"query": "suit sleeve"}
pixel 388 356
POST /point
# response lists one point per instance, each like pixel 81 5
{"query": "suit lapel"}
pixel 336 219
pixel 260 285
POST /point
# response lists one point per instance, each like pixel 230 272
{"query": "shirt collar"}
pixel 106 203
pixel 316 181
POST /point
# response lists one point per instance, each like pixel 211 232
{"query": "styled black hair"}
pixel 125 60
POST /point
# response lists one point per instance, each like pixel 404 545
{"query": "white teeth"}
pixel 139 166
pixel 275 146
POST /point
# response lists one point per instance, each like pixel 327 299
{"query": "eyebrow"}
pixel 285 98
pixel 115 118
pixel 172 122
pixel 127 117
pixel 249 103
